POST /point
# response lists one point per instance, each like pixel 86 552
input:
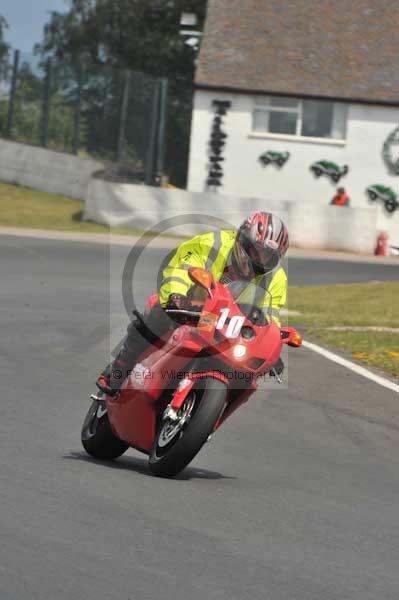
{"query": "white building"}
pixel 312 103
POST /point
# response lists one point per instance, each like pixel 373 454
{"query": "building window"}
pixel 303 118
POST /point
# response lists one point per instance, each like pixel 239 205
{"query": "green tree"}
pixel 4 47
pixel 27 107
pixel 140 35
pixel 3 73
pixel 28 110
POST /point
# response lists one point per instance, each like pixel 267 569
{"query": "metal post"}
pixel 152 139
pixel 163 101
pixel 78 107
pixel 122 122
pixel 46 105
pixel 11 103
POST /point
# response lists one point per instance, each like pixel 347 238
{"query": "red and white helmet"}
pixel 261 243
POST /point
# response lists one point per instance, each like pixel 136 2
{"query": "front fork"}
pixel 183 389
pixel 187 384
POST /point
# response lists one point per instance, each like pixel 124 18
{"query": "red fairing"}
pixel 133 413
pixel 235 348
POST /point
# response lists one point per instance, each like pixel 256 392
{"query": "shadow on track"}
pixel 140 465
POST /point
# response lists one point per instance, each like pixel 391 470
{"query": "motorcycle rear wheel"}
pixel 177 443
pixel 97 437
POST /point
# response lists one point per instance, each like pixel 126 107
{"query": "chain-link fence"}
pixel 89 110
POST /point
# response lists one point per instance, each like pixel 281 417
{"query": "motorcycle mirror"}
pixel 296 340
pixel 290 336
pixel 202 278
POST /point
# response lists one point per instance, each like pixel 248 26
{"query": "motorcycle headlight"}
pixel 239 351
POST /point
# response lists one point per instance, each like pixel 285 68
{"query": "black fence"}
pixel 116 116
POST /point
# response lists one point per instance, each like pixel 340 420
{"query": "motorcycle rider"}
pixel 250 254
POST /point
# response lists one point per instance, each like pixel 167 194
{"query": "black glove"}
pixel 178 301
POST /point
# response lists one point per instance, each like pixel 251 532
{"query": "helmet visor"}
pixel 262 258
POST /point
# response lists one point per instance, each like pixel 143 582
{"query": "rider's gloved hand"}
pixel 178 301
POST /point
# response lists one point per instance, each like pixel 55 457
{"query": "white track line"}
pixel 352 366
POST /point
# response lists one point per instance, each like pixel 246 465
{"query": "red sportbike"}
pixel 191 380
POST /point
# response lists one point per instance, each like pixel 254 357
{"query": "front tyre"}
pixel 178 441
pixel 372 196
pixel 97 436
pixel 391 206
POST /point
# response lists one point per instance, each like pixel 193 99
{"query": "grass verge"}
pixel 34 209
pixel 322 308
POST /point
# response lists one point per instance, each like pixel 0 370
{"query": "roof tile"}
pixel 324 48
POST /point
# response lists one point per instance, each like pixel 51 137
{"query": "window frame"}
pixel 262 104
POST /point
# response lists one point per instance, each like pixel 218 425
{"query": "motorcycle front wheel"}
pixel 178 441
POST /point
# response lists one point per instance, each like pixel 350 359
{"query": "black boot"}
pixel 107 382
pixel 111 379
pixel 140 334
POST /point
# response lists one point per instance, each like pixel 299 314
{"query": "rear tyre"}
pixel 178 442
pixel 97 436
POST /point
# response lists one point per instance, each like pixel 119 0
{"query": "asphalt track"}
pixel 295 498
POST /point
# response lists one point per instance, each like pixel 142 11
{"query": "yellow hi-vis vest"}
pixel 211 252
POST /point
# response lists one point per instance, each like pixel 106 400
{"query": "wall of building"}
pixel 367 129
pixel 188 213
pixel 45 169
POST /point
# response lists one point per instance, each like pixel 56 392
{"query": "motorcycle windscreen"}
pixel 253 300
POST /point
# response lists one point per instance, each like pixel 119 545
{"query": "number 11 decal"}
pixel 234 326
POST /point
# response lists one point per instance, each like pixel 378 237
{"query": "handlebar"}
pixel 181 311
